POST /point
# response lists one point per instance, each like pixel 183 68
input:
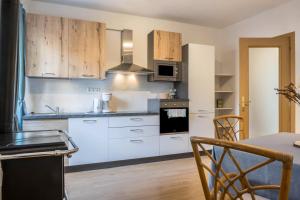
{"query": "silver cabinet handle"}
pixel 137 130
pixel 89 121
pixel 87 75
pixel 176 137
pixel 136 119
pixel 136 141
pixel 169 58
pixel 201 116
pixel 48 73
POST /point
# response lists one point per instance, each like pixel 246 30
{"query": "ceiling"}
pixel 213 13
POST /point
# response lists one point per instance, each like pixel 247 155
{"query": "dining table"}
pixel 271 173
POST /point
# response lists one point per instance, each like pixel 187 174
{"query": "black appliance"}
pixel 32 162
pixel 174 114
pixel 174 117
pixel 165 71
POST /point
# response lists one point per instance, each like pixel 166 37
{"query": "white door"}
pixel 264 102
pixel 201 125
pixel 91 136
pixel 201 70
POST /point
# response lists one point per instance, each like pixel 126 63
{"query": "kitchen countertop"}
pixel 33 141
pixel 41 116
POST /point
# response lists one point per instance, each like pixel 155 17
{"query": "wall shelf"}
pixel 223 91
pixel 224 75
pixel 224 108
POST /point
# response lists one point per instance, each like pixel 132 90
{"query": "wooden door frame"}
pixel 245 44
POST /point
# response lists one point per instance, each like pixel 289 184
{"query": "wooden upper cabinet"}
pixel 47 46
pixel 167 46
pixel 161 45
pixel 86 49
pixel 175 46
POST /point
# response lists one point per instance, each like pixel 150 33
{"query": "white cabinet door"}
pixel 152 120
pixel 90 134
pixel 173 144
pixel 130 148
pixel 201 70
pixel 201 125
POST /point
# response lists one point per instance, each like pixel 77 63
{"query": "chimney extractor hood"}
pixel 127 66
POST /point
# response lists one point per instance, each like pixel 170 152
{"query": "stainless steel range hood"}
pixel 127 66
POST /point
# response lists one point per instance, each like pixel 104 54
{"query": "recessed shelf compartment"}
pixel 224 75
pixel 224 108
pixel 224 91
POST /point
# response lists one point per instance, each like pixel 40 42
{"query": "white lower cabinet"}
pixel 90 135
pixel 201 125
pixel 173 144
pixel 130 148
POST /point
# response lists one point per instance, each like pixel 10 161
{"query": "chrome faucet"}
pixel 55 110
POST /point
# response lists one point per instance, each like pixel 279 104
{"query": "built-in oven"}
pixel 174 117
pixel 166 71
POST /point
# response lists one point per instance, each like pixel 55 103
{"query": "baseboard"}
pixel 105 165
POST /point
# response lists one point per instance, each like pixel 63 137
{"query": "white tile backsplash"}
pixel 129 93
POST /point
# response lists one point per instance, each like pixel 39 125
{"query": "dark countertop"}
pixel 34 141
pixel 84 115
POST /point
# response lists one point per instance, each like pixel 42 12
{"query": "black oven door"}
pixel 174 120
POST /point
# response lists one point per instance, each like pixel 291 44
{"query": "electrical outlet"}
pixel 93 90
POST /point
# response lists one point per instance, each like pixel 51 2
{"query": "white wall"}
pixel 277 21
pixel 60 92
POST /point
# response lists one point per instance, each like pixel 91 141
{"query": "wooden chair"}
pixel 224 181
pixel 229 127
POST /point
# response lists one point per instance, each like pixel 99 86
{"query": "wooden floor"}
pixel 167 180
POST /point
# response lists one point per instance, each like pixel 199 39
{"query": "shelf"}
pixel 224 108
pixel 224 75
pixel 224 91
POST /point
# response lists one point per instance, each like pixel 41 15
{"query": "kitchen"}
pixel 136 127
pixel 132 124
pixel 132 115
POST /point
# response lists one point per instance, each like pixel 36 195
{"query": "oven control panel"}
pixel 174 104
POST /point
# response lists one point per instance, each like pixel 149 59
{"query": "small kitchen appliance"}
pixel 165 71
pixel 106 97
pixel 96 105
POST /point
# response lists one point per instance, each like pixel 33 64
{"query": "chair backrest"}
pixel 229 127
pixel 224 183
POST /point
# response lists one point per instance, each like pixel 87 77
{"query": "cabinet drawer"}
pixel 173 144
pixel 130 148
pixel 133 132
pixel 39 125
pixel 134 121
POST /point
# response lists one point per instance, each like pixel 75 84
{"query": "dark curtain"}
pixel 21 69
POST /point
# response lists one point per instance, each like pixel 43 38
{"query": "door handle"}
pixel 136 141
pixel 87 75
pixel 49 74
pixel 89 121
pixel 137 130
pixel 201 116
pixel 244 103
pixel 136 119
pixel 176 137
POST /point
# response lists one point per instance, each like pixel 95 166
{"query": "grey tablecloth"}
pixel 271 173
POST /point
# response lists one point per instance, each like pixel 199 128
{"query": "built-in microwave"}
pixel 166 71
